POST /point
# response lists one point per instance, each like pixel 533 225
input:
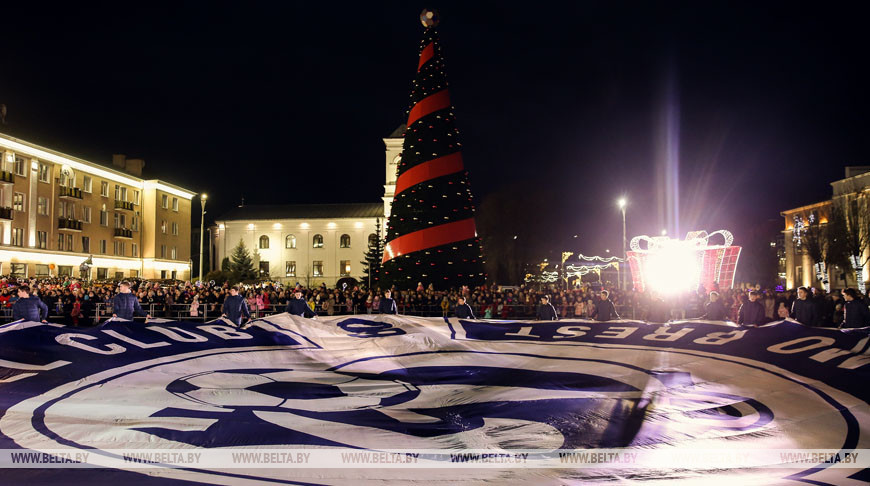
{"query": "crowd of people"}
pixel 77 303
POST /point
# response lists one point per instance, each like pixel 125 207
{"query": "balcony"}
pixel 124 205
pixel 123 233
pixel 7 177
pixel 70 192
pixel 6 213
pixel 64 224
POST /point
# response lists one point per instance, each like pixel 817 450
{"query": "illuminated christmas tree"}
pixel 431 235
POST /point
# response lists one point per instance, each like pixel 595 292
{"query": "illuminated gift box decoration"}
pixel 671 266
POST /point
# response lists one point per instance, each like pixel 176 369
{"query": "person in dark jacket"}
pixel 235 307
pixel 463 310
pixel 29 308
pixel 714 310
pixel 387 304
pixel 805 310
pixel 751 313
pixel 125 305
pixel 546 311
pixel 824 307
pixel 857 314
pixel 298 307
pixel 604 309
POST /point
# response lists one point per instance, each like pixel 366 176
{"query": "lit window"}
pixel 42 206
pixel 18 269
pixel 290 242
pixel 344 268
pixel 344 242
pixel 44 172
pixel 318 241
pixel 19 167
pixel 18 201
pixel 317 268
pixel 290 269
pixel 17 236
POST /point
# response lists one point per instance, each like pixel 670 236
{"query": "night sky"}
pixel 282 102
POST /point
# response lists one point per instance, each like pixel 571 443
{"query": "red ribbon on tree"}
pixel 449 164
pixel 430 238
pixel 429 104
pixel 426 54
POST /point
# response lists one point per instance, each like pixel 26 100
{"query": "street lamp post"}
pixel 622 203
pixel 202 199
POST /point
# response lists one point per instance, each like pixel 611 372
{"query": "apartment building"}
pixel 58 211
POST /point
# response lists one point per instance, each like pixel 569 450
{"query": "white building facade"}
pixel 309 244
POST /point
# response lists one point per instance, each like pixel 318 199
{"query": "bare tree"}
pixel 850 220
pixel 815 240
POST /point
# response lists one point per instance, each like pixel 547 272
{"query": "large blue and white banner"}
pixel 374 399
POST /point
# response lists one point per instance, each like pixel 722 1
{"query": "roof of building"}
pixel 304 211
pixel 77 163
pixel 399 132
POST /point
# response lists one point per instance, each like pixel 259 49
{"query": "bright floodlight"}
pixel 673 269
pixel 621 202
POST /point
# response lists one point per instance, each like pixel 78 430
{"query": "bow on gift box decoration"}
pixel 671 266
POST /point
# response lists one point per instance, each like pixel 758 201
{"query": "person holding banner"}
pixel 29 308
pixel 804 309
pixel 298 307
pixel 857 314
pixel 751 313
pixel 546 311
pixel 604 308
pixel 235 307
pixel 463 310
pixel 714 310
pixel 125 305
pixel 388 305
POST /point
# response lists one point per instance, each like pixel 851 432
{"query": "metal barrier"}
pixel 101 311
